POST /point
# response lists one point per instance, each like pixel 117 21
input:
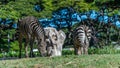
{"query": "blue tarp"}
pixel 103 19
pixel 78 18
pixel 37 8
pixel 84 17
pixel 117 24
pixel 14 25
pixel 93 14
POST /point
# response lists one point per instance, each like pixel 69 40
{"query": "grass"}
pixel 66 61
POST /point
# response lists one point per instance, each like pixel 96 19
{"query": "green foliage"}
pixel 92 50
pixel 104 50
pixel 9 54
pixel 67 52
pixel 4 45
pixel 14 46
pixel 15 9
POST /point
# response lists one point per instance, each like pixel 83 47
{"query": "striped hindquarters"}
pixel 82 35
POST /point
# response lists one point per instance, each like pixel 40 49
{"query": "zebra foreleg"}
pixel 26 48
pixel 86 50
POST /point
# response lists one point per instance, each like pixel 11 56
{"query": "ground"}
pixel 66 61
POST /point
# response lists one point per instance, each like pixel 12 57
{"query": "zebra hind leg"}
pixel 79 51
pixel 82 50
pixel 75 50
pixel 31 48
pixel 26 48
pixel 20 45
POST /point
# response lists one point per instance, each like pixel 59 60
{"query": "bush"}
pixel 92 50
pixel 104 50
pixel 67 52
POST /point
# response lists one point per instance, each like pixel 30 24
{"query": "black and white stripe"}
pixel 30 29
pixel 81 38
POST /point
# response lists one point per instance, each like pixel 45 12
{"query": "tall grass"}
pixel 92 50
pixel 104 50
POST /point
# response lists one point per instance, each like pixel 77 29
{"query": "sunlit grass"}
pixel 66 61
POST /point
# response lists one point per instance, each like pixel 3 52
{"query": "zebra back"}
pixel 30 25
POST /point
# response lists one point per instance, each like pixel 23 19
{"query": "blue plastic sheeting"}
pixel 2 23
pixel 43 19
pixel 74 23
pixel 60 18
pixel 63 16
pixel 111 19
pixel 8 21
pixel 57 22
pixel 37 8
pixel 64 24
pixel 106 19
pixel 0 20
pixel 64 12
pixel 116 17
pixel 84 17
pixel 103 19
pixel 74 16
pixel 52 25
pixel 78 18
pixel 118 24
pixel 93 14
pixel 44 22
pixel 56 16
pixel 14 25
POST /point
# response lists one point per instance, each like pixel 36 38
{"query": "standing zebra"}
pixel 29 28
pixel 81 38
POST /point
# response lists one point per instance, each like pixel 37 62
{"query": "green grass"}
pixel 66 61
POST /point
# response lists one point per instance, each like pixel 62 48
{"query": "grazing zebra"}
pixel 30 29
pixel 81 38
pixel 55 40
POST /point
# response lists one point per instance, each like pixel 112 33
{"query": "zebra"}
pixel 81 38
pixel 30 29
